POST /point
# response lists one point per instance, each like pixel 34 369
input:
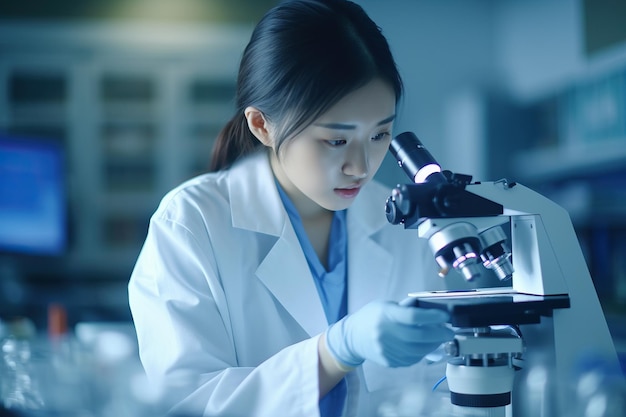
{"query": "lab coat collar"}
pixel 251 182
pixel 256 206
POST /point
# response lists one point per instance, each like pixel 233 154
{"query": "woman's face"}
pixel 325 165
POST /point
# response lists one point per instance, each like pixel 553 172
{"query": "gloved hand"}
pixel 388 334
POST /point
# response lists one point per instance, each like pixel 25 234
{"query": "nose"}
pixel 357 162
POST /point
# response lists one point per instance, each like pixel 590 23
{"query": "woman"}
pixel 269 286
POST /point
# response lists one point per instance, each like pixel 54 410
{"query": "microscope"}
pixel 547 306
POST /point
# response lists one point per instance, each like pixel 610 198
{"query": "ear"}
pixel 259 126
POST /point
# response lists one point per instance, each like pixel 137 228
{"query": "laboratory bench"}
pixel 85 298
pixel 104 299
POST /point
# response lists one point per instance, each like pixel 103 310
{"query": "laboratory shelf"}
pixel 135 120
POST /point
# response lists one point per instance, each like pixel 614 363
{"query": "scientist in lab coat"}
pixel 270 286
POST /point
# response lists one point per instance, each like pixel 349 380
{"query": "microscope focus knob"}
pixel 396 207
pixel 451 348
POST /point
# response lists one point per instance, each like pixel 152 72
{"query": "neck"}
pixel 318 231
pixel 308 210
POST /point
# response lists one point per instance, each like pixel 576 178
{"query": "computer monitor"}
pixel 33 203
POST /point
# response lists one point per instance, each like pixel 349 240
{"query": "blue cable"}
pixel 443 378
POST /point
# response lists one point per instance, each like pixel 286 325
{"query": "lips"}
pixel 349 192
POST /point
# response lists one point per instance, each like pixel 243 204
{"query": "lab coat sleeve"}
pixel 184 334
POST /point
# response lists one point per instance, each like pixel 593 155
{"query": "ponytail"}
pixel 234 141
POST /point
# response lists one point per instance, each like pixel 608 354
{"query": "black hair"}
pixel 302 58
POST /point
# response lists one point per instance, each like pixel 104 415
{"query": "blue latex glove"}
pixel 388 334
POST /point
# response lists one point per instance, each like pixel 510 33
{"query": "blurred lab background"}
pixel 105 105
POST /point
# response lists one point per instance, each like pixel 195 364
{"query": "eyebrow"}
pixel 346 126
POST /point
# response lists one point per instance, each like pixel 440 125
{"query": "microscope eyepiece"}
pixel 414 159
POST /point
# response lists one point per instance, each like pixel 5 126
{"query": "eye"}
pixel 336 142
pixel 380 136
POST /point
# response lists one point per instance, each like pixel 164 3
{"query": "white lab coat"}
pixel 225 307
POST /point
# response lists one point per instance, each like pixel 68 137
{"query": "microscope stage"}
pixel 480 308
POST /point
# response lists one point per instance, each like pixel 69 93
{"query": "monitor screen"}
pixel 33 215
